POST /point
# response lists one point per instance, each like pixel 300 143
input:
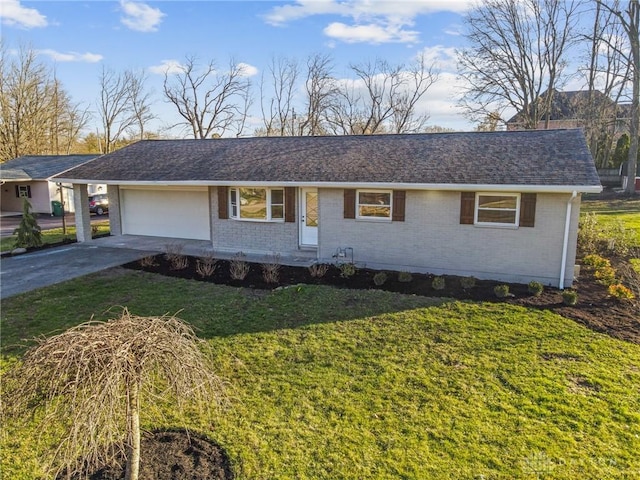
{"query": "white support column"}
pixel 83 216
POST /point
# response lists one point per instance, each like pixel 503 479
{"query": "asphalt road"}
pixel 46 222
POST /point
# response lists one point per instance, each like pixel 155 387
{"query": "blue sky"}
pixel 80 37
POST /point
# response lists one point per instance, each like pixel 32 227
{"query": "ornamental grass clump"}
pixel 438 283
pixel 177 260
pixel 569 297
pixel 89 386
pixel 535 288
pixel 271 268
pixel 238 267
pixel 206 265
pixel 318 270
pixel 379 278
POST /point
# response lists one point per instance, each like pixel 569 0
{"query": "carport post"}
pixel 83 216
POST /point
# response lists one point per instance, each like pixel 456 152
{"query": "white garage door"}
pixel 166 213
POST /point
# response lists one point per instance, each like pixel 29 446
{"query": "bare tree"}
pixel 607 77
pixel 124 106
pixel 382 99
pixel 629 19
pixel 37 116
pixel 209 100
pixel 321 89
pixel 141 102
pixel 277 110
pixel 517 52
pixel 92 379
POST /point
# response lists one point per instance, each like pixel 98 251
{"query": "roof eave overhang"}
pixel 457 187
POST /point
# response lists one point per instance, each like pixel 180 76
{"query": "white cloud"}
pixel 140 16
pixel 168 67
pixel 71 56
pixel 14 14
pixel 444 58
pixel 247 70
pixel 370 33
pixel 379 21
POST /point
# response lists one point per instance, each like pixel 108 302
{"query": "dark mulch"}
pixel 595 308
pixel 173 455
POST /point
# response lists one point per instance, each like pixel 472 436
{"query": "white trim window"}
pixel 497 209
pixel 256 204
pixel 374 204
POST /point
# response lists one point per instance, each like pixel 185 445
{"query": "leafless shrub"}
pixel 630 277
pixel 206 265
pixel 175 257
pixel 318 270
pixel 149 261
pixel 271 268
pixel 90 382
pixel 238 267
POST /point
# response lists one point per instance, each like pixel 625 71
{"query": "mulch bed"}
pixel 595 308
pixel 172 455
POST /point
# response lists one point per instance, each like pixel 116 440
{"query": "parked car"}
pixel 99 204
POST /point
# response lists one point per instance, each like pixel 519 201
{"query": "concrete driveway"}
pixel 29 271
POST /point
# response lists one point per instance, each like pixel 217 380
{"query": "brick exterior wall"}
pixel 431 239
pixel 251 237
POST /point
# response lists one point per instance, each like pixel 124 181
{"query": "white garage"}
pixel 166 212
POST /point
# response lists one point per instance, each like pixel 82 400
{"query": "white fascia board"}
pixel 456 187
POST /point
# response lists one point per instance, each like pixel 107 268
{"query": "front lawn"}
pixel 608 211
pixel 55 236
pixel 325 383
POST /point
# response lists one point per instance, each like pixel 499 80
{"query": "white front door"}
pixel 309 217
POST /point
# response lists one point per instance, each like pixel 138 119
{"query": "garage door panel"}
pixel 166 213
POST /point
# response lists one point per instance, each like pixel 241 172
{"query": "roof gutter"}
pixel 452 187
pixel 565 240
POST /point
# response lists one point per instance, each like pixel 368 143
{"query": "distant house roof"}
pixel 527 158
pixel 39 167
pixel 572 105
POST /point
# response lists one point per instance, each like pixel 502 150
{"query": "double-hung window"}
pixel 498 209
pixel 374 204
pixel 258 204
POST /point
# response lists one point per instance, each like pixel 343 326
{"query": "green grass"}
pixel 325 383
pixel 54 235
pixel 626 211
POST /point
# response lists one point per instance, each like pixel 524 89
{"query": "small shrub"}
pixel 589 234
pixel 318 270
pixel 605 275
pixel 468 282
pixel 596 261
pixel 177 261
pixel 438 283
pixel 347 270
pixel 238 267
pixel 379 278
pixel 501 291
pixel 619 291
pixel 149 261
pixel 206 265
pixel 405 277
pixel 535 288
pixel 271 269
pixel 569 297
pixel 28 234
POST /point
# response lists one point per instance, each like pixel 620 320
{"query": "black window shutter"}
pixel 29 191
pixel 467 207
pixel 17 191
pixel 527 209
pixel 398 205
pixel 223 203
pixel 349 203
pixel 289 204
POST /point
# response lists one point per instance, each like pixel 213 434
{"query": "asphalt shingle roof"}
pixel 40 167
pixel 540 157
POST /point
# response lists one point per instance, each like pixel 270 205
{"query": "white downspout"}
pixel 565 241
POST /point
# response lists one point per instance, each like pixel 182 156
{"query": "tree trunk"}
pixel 132 471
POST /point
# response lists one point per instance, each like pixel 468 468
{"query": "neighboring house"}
pixel 28 177
pixel 573 109
pixel 495 205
